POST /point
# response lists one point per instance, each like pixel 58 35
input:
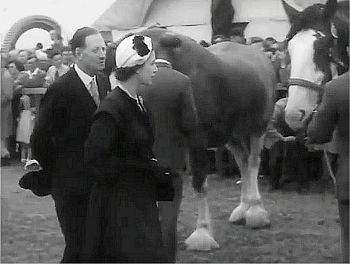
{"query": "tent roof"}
pixel 192 17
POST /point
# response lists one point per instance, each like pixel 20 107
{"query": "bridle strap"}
pixel 306 84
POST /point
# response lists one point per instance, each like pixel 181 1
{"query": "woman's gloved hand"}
pixel 164 182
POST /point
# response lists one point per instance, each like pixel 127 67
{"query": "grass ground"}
pixel 304 227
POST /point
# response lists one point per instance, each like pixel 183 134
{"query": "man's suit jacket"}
pixel 333 113
pixel 63 124
pixel 170 104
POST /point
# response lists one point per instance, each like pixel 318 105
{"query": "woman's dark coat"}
pixel 123 223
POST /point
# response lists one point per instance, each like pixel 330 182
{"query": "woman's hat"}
pixel 133 50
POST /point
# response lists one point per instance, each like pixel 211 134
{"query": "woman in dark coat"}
pixel 122 224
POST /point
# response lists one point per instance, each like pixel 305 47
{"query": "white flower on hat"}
pixel 133 50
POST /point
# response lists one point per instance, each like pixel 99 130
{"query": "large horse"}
pixel 233 87
pixel 310 42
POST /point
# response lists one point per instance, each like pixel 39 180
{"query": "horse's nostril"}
pixel 303 113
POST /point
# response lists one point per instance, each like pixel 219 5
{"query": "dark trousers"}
pixel 343 206
pixel 168 214
pixel 71 209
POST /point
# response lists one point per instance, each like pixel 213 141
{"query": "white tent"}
pixel 189 17
pixel 267 18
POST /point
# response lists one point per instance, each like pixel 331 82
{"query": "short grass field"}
pixel 304 227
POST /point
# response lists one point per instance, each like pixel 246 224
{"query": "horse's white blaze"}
pixel 202 238
pixel 301 51
pixel 300 99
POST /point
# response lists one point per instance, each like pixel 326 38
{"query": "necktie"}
pixel 140 103
pixel 94 91
pixel 56 75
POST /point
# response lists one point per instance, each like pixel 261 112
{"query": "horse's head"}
pixel 309 43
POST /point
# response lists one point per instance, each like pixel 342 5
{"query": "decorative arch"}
pixel 25 24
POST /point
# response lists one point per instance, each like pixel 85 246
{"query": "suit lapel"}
pixel 82 91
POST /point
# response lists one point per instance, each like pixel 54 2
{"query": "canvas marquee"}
pixel 267 18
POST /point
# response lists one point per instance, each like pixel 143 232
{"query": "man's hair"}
pixel 79 37
pixel 19 65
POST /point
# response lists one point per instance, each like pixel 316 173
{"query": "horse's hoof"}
pixel 257 217
pixel 238 215
pixel 201 240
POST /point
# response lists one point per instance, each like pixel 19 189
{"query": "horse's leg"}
pixel 256 216
pixel 240 154
pixel 168 212
pixel 202 238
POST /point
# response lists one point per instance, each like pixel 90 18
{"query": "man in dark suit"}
pixel 170 104
pixel 63 125
pixel 333 113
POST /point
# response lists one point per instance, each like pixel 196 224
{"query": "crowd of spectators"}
pixel 33 68
pixel 27 68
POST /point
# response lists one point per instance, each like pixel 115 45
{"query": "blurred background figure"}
pixel 13 54
pixel 16 69
pixel 39 53
pixel 67 56
pixel 237 36
pixel 6 113
pixel 33 76
pixel 23 56
pixel 56 70
pixel 25 128
pixel 57 40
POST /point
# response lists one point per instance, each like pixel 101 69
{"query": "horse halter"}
pixel 306 84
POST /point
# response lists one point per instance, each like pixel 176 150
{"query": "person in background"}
pixel 62 126
pixel 33 76
pixel 13 54
pixel 23 56
pixel 170 104
pixel 333 114
pixel 39 53
pixel 16 69
pixel 123 220
pixel 6 111
pixel 25 128
pixel 56 70
pixel 57 40
pixel 237 36
pixel 67 56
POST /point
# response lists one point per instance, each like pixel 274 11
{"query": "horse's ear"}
pixel 170 40
pixel 292 13
pixel 331 8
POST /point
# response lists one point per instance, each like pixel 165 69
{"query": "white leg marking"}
pixel 202 238
pixel 256 216
pixel 238 214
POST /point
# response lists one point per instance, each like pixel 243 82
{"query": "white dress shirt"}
pixel 85 78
